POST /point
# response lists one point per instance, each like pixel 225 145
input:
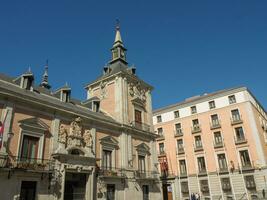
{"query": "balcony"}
pixel 162 153
pixel 167 175
pixel 141 126
pixel 110 172
pixel 196 128
pixel 198 148
pixel 183 174
pixel 215 124
pixel 142 175
pixel 240 140
pixel 218 144
pixel 180 150
pixel 223 170
pixel 160 137
pixel 236 119
pixel 178 132
pixel 202 172
pixel 247 166
pixel 30 164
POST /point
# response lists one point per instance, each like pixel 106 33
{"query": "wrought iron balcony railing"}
pixel 218 144
pixel 236 119
pixel 141 126
pixel 111 172
pixel 139 174
pixel 28 163
pixel 215 124
pixel 178 132
pixel 196 128
pixel 180 150
pixel 198 147
pixel 240 140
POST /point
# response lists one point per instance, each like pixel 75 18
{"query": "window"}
pixel 107 159
pixel 182 166
pixel 184 187
pixel 212 104
pixel 198 142
pixel 232 99
pixel 29 148
pixel 180 144
pixel 178 128
pixel 239 133
pixel 138 116
pixel 160 131
pixel 215 120
pixel 145 190
pixel 204 185
pixel 222 162
pixel 159 119
pixel 235 115
pixel 201 164
pixel 176 114
pixel 226 184
pixel 193 109
pixel 161 148
pixel 244 157
pixel 110 192
pixel 141 163
pixel 217 138
pixel 196 126
pixel 195 122
pixel 250 182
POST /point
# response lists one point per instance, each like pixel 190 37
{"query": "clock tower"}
pixel 118 50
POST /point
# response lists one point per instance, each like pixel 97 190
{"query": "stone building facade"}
pixel 214 145
pixel 57 147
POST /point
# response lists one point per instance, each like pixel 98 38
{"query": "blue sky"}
pixel 182 48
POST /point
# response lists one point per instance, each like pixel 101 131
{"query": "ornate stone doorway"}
pixel 75 186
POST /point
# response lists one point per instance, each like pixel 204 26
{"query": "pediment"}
pixel 109 140
pixel 34 123
pixel 137 101
pixel 142 148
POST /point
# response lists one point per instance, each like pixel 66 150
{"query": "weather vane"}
pixel 117 24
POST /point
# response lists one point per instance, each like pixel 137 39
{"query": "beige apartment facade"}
pixel 214 146
pixel 58 147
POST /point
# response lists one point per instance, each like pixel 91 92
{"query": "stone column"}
pixel 91 186
pixel 118 99
pixel 54 131
pixel 149 110
pixel 7 115
pixel 154 159
pixel 123 150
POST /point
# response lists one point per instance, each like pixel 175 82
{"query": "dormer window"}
pixel 96 106
pixel 27 82
pixel 65 95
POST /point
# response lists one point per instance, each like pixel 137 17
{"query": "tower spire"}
pixel 118 50
pixel 44 82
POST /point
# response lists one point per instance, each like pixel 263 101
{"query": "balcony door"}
pixel 138 116
pixel 29 148
pixel 28 190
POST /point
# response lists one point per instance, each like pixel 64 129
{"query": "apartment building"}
pixel 56 147
pixel 214 145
